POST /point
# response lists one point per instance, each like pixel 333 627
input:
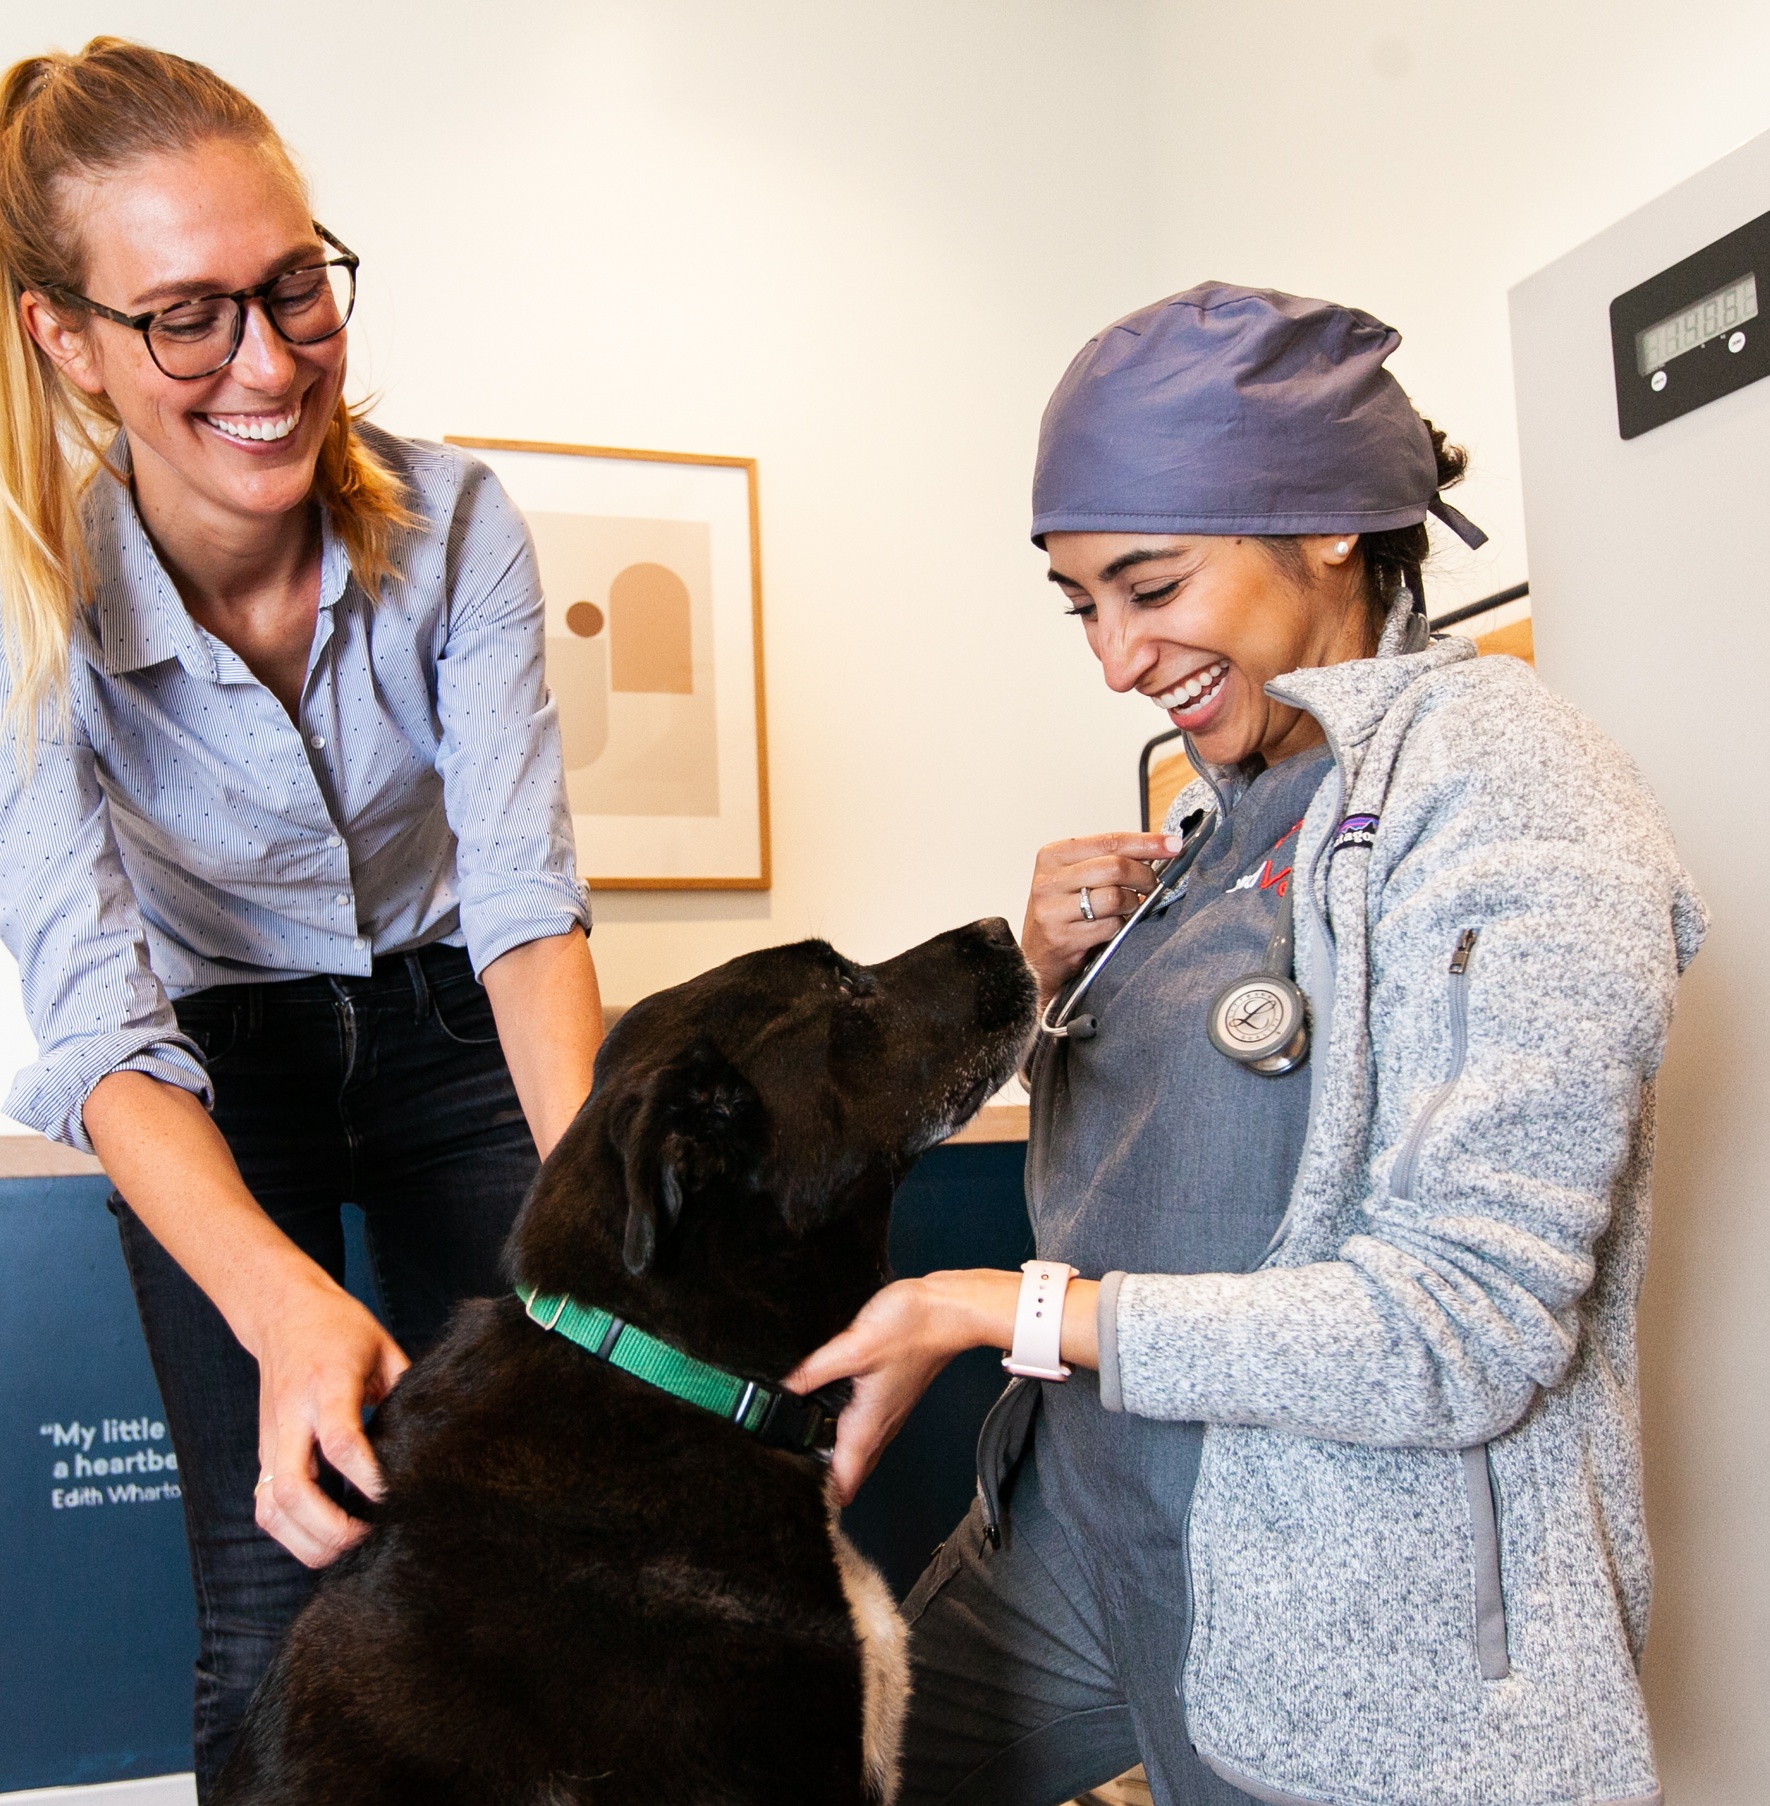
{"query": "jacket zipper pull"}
pixel 1459 960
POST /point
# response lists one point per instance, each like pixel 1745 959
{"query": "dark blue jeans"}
pixel 390 1093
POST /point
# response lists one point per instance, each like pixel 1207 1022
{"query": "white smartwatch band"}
pixel 1038 1321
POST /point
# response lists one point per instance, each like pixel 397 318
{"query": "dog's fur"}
pixel 578 1588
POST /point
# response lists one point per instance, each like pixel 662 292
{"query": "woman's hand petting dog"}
pixel 905 1335
pixel 1116 871
pixel 321 1357
pixel 322 1361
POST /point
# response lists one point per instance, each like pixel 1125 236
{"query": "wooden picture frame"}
pixel 657 664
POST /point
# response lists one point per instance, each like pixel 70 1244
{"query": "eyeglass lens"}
pixel 197 338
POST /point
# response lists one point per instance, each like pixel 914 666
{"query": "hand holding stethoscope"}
pixel 1260 1020
pixel 1114 872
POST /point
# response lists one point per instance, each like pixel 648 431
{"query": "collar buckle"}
pixel 534 1302
pixel 804 1425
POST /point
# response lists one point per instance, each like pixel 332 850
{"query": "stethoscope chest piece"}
pixel 1261 1022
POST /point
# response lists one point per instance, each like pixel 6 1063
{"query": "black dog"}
pixel 580 1587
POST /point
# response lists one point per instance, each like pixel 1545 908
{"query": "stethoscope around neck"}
pixel 1259 1020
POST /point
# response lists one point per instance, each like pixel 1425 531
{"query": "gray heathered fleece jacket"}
pixel 1420 1571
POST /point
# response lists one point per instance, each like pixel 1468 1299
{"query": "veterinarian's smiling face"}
pixel 1201 624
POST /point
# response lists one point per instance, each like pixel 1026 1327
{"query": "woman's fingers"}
pixel 1116 872
pixel 290 1506
pixel 330 1360
pixel 872 1417
pixel 840 1358
pixel 1105 900
pixel 893 1322
pixel 891 1352
pixel 1108 872
pixel 1144 848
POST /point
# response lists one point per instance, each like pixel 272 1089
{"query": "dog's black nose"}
pixel 994 928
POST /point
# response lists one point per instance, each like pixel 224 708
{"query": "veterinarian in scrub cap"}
pixel 280 783
pixel 1345 1144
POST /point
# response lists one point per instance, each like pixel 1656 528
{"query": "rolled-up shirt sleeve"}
pixel 68 915
pixel 500 758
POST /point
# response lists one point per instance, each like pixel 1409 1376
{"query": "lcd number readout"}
pixel 1725 311
pixel 116 1461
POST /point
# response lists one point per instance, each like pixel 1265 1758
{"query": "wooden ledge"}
pixel 35 1157
pixel 994 1122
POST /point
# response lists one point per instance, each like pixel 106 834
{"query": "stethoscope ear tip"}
pixel 1081 1028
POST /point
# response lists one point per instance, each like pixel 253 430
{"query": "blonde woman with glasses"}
pixel 285 858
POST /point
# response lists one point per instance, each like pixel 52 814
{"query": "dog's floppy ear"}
pixel 655 1172
pixel 695 1120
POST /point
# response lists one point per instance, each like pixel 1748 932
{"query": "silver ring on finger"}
pixel 1087 905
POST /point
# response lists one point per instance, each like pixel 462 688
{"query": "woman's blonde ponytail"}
pixel 42 550
pixel 64 119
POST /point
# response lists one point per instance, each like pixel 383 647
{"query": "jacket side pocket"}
pixel 1484 1535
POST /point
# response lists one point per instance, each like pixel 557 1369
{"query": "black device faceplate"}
pixel 1697 377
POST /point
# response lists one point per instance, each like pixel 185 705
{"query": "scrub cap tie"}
pixel 1237 410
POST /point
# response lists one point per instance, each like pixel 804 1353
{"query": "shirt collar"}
pixel 139 618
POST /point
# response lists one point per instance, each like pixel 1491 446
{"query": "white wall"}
pixel 860 244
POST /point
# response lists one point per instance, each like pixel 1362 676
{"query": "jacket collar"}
pixel 1349 700
pixel 137 616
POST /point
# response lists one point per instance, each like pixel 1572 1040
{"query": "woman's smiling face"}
pixel 220 217
pixel 1201 625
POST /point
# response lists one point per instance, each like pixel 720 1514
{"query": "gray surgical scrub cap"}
pixel 1236 410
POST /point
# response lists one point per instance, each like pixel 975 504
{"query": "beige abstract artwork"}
pixel 632 672
pixel 651 567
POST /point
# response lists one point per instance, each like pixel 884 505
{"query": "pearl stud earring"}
pixel 1342 546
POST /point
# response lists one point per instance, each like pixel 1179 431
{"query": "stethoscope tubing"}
pixel 1167 879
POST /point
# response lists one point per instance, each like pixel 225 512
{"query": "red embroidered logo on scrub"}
pixel 1266 878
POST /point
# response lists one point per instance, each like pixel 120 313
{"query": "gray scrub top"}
pixel 1151 1152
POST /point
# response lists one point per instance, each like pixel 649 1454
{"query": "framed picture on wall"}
pixel 652 571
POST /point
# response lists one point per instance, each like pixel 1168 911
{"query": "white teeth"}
pixel 1200 684
pixel 256 426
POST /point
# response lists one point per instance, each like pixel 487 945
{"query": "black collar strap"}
pixel 776 1418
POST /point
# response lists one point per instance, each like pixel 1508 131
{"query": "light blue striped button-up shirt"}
pixel 186 832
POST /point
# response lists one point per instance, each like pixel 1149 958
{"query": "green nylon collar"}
pixel 780 1419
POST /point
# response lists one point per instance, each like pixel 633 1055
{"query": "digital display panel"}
pixel 1689 327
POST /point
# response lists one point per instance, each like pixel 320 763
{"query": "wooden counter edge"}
pixel 994 1122
pixel 36 1157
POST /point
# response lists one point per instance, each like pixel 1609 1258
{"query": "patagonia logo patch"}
pixel 1357 831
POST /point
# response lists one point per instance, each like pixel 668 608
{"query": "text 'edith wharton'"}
pixel 112 1462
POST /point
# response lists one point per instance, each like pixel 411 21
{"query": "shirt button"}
pixel 334 840
pixel 342 898
pixel 360 943
pixel 318 742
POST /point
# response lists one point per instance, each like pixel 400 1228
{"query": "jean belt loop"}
pixel 420 987
pixel 254 1010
